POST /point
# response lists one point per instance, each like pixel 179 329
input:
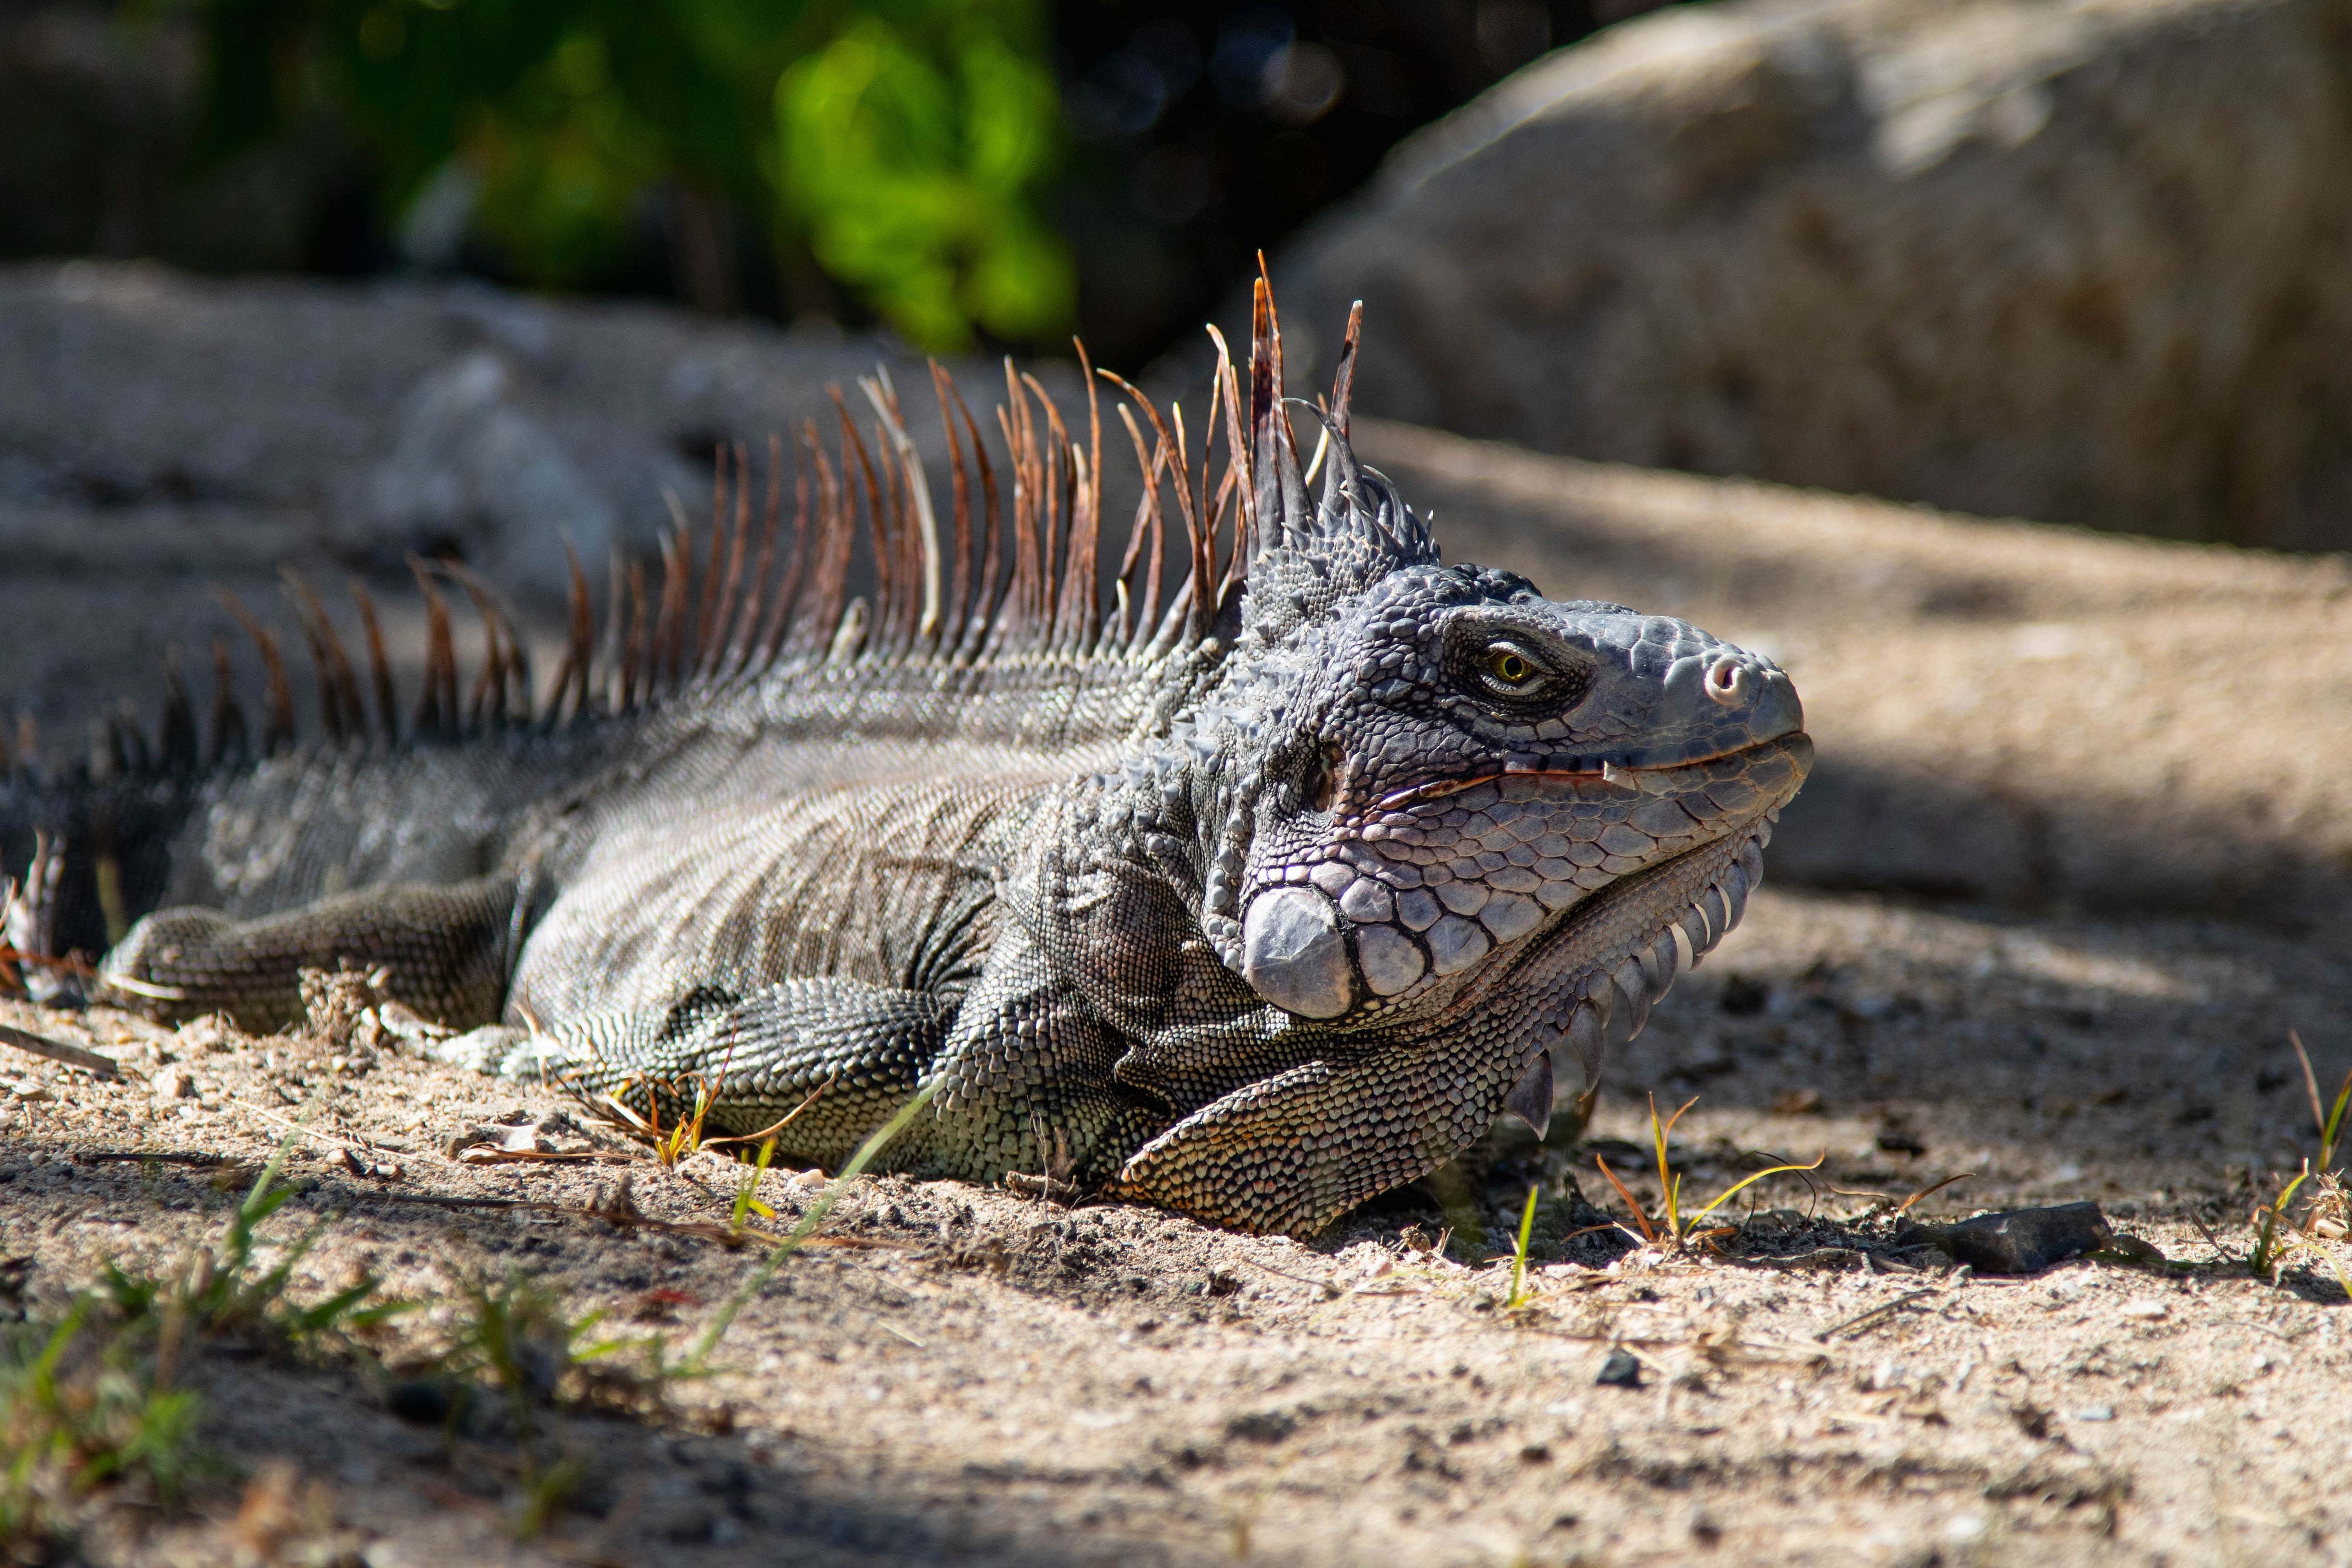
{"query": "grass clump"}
pixel 1671 1229
pixel 2283 1237
pixel 91 1404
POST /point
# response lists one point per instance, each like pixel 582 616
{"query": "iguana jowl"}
pixel 1251 903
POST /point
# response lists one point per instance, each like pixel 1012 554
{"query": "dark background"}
pixel 1191 138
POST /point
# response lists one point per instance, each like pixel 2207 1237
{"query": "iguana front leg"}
pixel 444 950
pixel 753 1058
pixel 1294 1152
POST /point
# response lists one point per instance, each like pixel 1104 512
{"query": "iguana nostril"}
pixel 1728 681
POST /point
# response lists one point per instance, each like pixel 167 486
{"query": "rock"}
pixel 2018 1241
pixel 160 433
pixel 470 461
pixel 1619 1369
pixel 2041 261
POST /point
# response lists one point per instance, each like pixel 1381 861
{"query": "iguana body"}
pixel 1253 908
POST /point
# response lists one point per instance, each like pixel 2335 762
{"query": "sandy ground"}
pixel 2078 859
pixel 987 1379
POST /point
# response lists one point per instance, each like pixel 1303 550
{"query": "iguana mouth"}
pixel 1586 766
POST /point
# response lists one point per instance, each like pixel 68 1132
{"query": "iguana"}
pixel 1251 900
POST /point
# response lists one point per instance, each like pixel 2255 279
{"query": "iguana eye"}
pixel 1509 671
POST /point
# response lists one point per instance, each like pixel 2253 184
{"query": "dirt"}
pixel 1994 948
pixel 985 1378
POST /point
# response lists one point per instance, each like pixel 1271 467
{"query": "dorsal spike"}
pixel 615 699
pixel 387 700
pixel 1145 552
pixel 281 732
pixel 228 744
pixel 436 704
pixel 669 619
pixel 1280 487
pixel 921 567
pixel 702 638
pixel 1196 577
pixel 1086 516
pixel 176 733
pixel 779 624
pixel 836 536
pixel 1343 479
pixel 878 531
pixel 744 638
pixel 502 693
pixel 917 492
pixel 1246 532
pixel 730 581
pixel 958 607
pixel 637 658
pixel 111 754
pixel 340 711
pixel 579 645
pixel 1343 379
pixel 987 589
pixel 1014 618
pixel 896 629
pixel 1056 520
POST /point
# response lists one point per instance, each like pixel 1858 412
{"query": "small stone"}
pixel 173 1083
pixel 2022 1240
pixel 2095 1412
pixel 2145 1308
pixel 1620 1369
pixel 30 1089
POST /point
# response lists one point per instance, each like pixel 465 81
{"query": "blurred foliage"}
pixel 904 145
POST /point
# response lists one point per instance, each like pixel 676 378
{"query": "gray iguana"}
pixel 1251 899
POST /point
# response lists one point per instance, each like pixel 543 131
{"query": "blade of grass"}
pixel 1649 1232
pixel 1735 1190
pixel 850 1171
pixel 1520 1253
pixel 1669 1185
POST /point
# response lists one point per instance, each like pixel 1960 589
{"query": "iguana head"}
pixel 1437 791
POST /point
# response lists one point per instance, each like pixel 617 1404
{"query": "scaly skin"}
pixel 1252 915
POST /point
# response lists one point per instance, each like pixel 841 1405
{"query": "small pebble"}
pixel 30 1089
pixel 2145 1308
pixel 173 1083
pixel 1619 1370
pixel 2095 1412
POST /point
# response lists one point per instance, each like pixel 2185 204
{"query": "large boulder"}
pixel 2084 259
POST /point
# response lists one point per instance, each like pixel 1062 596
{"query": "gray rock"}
pixel 470 461
pixel 2022 1240
pixel 2087 261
